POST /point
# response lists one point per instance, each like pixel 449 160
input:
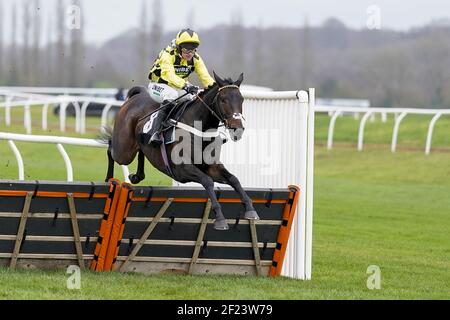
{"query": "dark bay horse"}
pixel 220 103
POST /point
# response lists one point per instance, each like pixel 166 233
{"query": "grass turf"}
pixel 370 208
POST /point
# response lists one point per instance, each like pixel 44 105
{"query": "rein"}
pixel 220 117
pixel 162 106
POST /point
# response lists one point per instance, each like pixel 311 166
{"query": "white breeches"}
pixel 162 92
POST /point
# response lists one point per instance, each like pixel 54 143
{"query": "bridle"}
pixel 218 113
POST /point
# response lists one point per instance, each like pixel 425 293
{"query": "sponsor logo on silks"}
pixel 156 93
pixel 148 125
pixel 182 70
pixel 157 88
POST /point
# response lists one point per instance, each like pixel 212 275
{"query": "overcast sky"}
pixel 103 19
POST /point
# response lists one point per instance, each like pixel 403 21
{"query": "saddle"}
pixel 168 130
pixel 177 111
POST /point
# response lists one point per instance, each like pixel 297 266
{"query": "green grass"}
pixel 390 210
pixel 370 208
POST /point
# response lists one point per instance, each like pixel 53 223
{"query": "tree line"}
pixel 391 68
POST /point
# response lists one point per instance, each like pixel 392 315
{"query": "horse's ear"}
pixel 239 80
pixel 219 81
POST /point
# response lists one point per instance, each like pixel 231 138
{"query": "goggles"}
pixel 187 51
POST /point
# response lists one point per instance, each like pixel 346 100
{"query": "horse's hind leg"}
pixel 222 175
pixel 110 172
pixel 140 174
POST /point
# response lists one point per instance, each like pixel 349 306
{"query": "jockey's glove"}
pixel 190 88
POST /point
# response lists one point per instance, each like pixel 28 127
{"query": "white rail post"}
pixel 76 105
pixel 8 110
pixel 361 129
pixel 45 116
pixel 398 120
pixel 66 158
pixel 18 159
pixel 62 116
pixel 310 185
pixel 84 107
pixel 430 132
pixel 298 240
pixel 331 129
pixel 27 117
pixel 105 115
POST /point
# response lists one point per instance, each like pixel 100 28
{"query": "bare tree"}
pixel 13 73
pixel 35 52
pixel 26 77
pixel 60 48
pixel 76 62
pixel 256 65
pixel 49 52
pixel 306 53
pixel 190 19
pixel 433 52
pixel 143 44
pixel 281 70
pixel 1 43
pixel 234 51
pixel 156 30
pixel 389 71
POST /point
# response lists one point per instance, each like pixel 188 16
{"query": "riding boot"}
pixel 160 122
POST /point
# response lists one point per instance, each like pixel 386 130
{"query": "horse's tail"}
pixel 136 90
pixel 106 136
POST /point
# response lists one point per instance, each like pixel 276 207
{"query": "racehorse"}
pixel 219 103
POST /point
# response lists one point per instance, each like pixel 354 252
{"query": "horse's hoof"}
pixel 221 224
pixel 251 215
pixel 135 179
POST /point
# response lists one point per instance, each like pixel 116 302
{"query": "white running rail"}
pixel 399 113
pixel 33 100
pixel 59 142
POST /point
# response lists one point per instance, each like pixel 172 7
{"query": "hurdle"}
pixel 51 224
pixel 282 122
pixel 117 227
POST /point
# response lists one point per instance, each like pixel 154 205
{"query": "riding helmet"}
pixel 187 38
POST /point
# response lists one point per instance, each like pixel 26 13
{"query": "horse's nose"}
pixel 236 133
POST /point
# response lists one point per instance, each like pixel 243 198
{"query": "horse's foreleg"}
pixel 192 173
pixel 110 172
pixel 222 175
pixel 140 174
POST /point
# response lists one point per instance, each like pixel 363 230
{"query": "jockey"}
pixel 169 71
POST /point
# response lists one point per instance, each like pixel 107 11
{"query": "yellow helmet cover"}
pixel 187 36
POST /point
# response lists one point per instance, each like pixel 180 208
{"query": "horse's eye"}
pixel 223 100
